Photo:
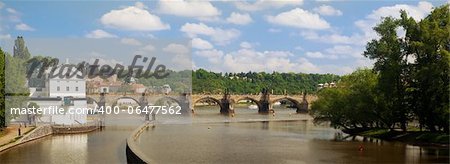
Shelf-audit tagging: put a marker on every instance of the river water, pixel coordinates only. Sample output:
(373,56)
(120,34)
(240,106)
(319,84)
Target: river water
(208,137)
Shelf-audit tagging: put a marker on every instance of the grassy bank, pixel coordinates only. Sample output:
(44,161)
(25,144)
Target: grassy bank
(410,137)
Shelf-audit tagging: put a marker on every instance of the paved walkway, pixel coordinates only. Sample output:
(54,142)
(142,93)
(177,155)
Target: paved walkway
(10,133)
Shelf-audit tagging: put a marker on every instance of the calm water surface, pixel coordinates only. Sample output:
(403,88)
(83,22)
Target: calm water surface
(208,137)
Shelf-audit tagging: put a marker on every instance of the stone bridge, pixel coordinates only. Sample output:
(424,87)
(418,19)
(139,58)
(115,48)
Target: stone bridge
(112,99)
(264,101)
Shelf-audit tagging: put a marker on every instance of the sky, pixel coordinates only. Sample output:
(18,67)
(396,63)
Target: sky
(321,36)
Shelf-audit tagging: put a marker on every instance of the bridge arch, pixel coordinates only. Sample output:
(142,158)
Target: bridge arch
(290,99)
(207,98)
(248,98)
(124,97)
(167,98)
(91,100)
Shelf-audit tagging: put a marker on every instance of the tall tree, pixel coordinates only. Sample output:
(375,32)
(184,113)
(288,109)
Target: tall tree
(429,42)
(20,49)
(390,61)
(2,89)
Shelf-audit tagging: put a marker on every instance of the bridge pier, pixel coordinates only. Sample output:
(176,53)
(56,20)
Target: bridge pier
(226,106)
(264,103)
(303,106)
(264,107)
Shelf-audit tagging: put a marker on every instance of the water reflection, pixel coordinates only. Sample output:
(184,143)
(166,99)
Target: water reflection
(209,137)
(271,142)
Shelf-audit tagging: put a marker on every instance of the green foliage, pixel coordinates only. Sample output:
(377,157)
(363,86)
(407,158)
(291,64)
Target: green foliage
(179,81)
(2,89)
(252,82)
(391,63)
(399,89)
(14,87)
(352,104)
(20,49)
(429,41)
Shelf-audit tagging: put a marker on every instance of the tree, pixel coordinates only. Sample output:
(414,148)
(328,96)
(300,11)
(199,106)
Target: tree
(20,49)
(390,61)
(429,42)
(2,89)
(352,104)
(15,89)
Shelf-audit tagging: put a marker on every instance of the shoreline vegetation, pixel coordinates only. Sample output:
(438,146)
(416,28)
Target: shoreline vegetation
(408,84)
(416,138)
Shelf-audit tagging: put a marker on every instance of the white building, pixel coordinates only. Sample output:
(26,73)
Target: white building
(61,92)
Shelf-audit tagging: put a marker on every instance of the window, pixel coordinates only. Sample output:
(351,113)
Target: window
(58,89)
(67,88)
(76,88)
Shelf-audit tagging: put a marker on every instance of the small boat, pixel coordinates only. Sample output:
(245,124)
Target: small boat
(253,107)
(277,103)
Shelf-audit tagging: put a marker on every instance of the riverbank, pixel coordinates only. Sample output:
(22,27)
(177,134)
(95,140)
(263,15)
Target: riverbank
(419,138)
(9,136)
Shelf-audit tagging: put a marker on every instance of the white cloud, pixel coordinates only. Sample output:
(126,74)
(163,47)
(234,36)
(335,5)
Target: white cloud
(244,60)
(327,10)
(134,18)
(176,49)
(274,30)
(140,5)
(337,52)
(201,44)
(335,38)
(315,55)
(148,48)
(264,4)
(217,35)
(299,48)
(5,36)
(417,12)
(11,11)
(344,51)
(24,27)
(130,41)
(97,34)
(306,66)
(239,19)
(246,45)
(214,56)
(366,33)
(366,25)
(299,18)
(196,9)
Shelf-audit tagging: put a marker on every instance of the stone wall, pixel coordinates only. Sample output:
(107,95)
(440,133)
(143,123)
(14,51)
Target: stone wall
(39,132)
(73,129)
(134,155)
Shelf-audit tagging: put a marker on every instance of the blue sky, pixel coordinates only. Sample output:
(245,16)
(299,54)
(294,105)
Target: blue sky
(288,36)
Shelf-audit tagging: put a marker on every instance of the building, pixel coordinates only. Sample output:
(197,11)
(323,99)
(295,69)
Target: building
(326,85)
(60,92)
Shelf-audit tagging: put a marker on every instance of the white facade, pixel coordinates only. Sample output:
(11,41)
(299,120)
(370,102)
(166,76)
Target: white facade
(67,87)
(63,93)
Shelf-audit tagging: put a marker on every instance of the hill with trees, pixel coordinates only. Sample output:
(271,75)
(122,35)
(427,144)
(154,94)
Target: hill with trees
(252,82)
